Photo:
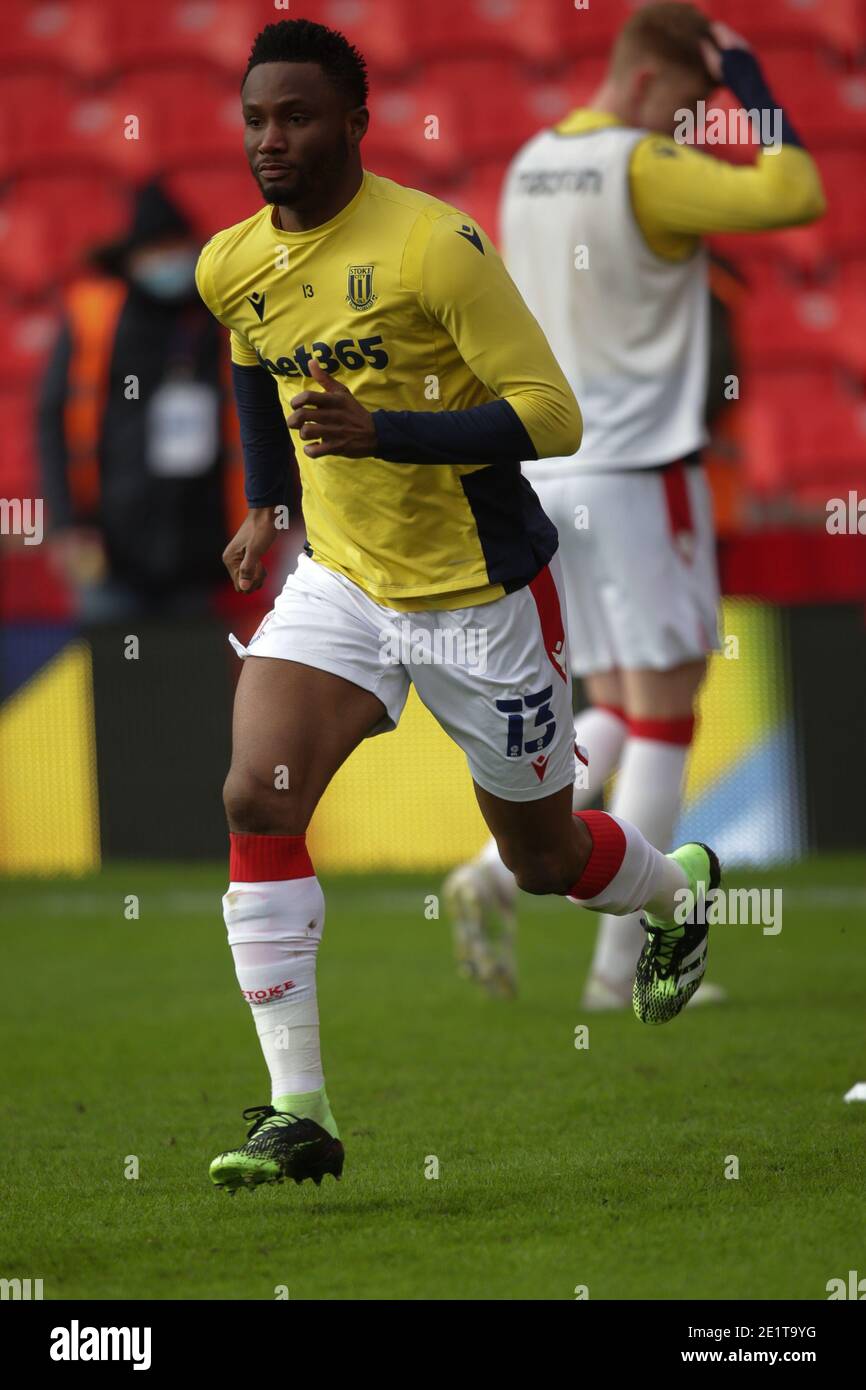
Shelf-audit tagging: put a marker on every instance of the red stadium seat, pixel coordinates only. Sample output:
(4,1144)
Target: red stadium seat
(840,24)
(46,35)
(384,30)
(523,29)
(783,324)
(27,339)
(498,106)
(802,250)
(805,435)
(825,103)
(391,165)
(26,268)
(850,285)
(572,87)
(196,116)
(215,198)
(501,108)
(46,119)
(18,467)
(33,107)
(592,30)
(422,124)
(216,33)
(844,176)
(47,226)
(477,194)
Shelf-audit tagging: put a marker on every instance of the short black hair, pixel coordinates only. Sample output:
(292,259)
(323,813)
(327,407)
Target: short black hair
(304,41)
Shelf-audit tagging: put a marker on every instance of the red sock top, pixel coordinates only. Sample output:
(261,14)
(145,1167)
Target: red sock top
(606,855)
(266,858)
(677,731)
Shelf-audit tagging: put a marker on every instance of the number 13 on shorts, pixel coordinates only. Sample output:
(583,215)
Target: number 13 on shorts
(518,710)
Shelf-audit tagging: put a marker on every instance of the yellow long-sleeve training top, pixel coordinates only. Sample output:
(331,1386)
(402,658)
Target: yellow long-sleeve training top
(409,304)
(680,194)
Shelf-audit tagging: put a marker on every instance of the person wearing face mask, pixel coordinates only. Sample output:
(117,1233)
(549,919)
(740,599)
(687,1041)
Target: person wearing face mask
(140,472)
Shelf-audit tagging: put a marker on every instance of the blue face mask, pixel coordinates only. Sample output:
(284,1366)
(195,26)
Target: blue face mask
(171,275)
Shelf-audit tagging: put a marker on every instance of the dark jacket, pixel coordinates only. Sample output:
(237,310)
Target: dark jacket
(159,532)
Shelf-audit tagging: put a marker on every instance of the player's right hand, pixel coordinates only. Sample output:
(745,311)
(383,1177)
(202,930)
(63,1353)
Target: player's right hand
(242,555)
(723,37)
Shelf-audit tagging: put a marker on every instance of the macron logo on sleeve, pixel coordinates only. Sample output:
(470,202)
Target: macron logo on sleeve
(470,234)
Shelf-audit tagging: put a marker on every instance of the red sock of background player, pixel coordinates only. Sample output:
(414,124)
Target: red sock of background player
(274,911)
(648,793)
(624,871)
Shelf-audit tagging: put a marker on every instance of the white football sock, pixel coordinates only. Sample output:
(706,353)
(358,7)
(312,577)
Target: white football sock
(624,872)
(648,793)
(274,931)
(601,731)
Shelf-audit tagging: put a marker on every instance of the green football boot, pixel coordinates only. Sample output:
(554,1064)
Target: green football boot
(278,1146)
(674,958)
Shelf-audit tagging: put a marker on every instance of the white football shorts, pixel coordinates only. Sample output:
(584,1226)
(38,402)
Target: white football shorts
(495,676)
(638,555)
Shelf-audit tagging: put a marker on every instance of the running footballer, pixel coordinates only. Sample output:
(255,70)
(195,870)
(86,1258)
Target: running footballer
(375,330)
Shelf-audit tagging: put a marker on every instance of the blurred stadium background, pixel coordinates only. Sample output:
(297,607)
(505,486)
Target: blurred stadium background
(105,758)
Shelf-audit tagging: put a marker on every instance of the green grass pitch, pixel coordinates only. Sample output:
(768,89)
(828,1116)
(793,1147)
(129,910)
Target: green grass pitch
(558,1167)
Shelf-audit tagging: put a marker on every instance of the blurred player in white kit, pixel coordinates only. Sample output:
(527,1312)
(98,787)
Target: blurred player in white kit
(602,220)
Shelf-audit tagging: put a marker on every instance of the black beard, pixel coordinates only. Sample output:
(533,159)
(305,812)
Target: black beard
(307,186)
(282,197)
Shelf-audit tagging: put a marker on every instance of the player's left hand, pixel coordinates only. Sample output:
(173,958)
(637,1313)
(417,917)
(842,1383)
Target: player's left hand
(724,37)
(334,418)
